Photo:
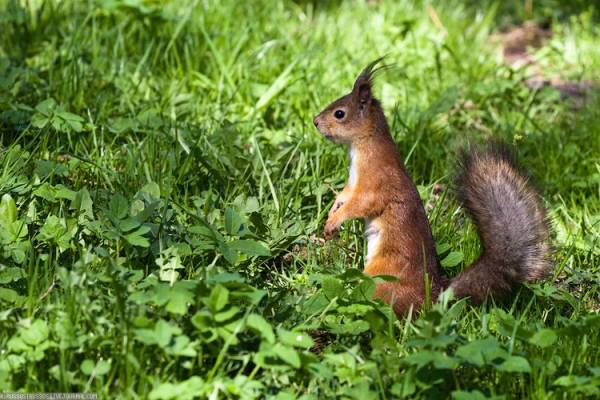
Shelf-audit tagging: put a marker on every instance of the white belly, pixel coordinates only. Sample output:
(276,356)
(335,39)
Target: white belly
(373,234)
(353,174)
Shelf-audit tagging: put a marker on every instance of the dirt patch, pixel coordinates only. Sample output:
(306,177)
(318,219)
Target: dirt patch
(517,41)
(517,45)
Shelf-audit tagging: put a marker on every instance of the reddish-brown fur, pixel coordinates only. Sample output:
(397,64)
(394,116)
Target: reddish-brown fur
(380,190)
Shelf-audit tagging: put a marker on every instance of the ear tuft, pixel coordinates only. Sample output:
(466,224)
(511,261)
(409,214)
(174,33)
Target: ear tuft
(363,86)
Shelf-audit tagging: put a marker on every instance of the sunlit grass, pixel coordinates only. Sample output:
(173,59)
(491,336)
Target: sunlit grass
(161,216)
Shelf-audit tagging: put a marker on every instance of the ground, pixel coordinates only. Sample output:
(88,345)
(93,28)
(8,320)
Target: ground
(164,193)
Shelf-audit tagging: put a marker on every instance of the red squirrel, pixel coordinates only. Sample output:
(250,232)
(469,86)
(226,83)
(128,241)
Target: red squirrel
(508,213)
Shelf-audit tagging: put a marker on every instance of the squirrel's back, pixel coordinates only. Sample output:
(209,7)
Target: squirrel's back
(511,222)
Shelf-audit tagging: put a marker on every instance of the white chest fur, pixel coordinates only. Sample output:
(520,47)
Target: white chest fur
(373,234)
(353,174)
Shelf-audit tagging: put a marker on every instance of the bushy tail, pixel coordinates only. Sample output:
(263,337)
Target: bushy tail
(511,222)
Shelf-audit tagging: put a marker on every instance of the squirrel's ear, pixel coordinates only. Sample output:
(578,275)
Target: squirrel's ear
(362,90)
(363,85)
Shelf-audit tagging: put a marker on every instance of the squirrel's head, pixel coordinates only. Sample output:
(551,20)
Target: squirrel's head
(355,115)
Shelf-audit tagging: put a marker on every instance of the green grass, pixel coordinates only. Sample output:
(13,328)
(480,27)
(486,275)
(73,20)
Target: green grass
(164,191)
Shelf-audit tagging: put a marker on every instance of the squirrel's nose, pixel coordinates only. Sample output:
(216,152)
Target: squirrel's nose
(315,121)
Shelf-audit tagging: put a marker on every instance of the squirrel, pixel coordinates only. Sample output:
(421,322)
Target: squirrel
(508,214)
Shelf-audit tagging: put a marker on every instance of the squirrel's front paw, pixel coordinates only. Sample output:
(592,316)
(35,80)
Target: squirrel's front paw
(331,229)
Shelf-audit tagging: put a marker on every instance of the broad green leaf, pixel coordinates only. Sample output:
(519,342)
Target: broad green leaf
(136,238)
(36,333)
(509,326)
(53,228)
(84,205)
(227,314)
(46,107)
(57,230)
(73,121)
(54,193)
(253,296)
(9,295)
(87,366)
(226,277)
(260,325)
(251,205)
(472,395)
(165,391)
(17,345)
(572,380)
(452,259)
(164,331)
(169,262)
(544,338)
(39,120)
(152,189)
(146,336)
(136,208)
(8,210)
(442,248)
(315,304)
(250,247)
(233,221)
(189,389)
(179,299)
(439,359)
(332,287)
(482,351)
(63,192)
(295,338)
(287,354)
(202,231)
(355,327)
(202,320)
(168,275)
(355,309)
(128,224)
(230,254)
(219,296)
(102,367)
(364,291)
(182,347)
(11,232)
(118,206)
(352,274)
(515,364)
(11,274)
(65,331)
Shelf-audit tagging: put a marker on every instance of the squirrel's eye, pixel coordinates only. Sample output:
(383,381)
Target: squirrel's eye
(339,114)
